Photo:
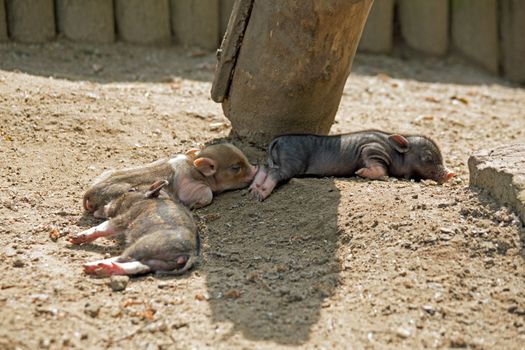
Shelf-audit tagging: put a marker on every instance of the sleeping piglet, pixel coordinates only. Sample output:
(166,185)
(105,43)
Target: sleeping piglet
(370,154)
(193,177)
(161,235)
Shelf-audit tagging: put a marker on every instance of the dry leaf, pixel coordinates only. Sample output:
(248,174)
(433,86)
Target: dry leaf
(54,234)
(232,294)
(200,297)
(211,217)
(456,99)
(130,302)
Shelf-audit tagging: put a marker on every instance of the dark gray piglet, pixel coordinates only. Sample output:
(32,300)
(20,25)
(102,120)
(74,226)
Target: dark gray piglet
(161,235)
(370,154)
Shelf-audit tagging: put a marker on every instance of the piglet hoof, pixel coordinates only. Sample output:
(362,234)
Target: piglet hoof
(260,194)
(80,239)
(104,269)
(372,173)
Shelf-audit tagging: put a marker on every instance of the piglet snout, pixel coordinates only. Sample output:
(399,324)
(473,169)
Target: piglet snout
(446,175)
(88,206)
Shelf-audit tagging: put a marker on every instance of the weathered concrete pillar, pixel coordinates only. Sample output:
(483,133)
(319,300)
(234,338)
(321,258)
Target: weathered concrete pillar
(291,67)
(143,22)
(31,21)
(513,39)
(3,22)
(196,22)
(378,33)
(225,10)
(475,31)
(86,20)
(424,25)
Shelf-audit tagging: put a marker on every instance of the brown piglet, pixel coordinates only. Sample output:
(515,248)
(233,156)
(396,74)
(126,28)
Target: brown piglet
(193,177)
(161,235)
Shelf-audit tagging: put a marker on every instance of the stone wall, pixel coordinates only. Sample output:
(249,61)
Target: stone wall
(487,32)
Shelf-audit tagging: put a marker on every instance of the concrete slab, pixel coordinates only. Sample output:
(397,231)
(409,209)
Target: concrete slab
(86,20)
(3,22)
(475,31)
(424,25)
(377,36)
(225,12)
(143,22)
(512,27)
(196,23)
(31,21)
(501,172)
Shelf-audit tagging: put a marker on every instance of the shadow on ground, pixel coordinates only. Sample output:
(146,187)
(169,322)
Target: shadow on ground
(122,62)
(268,276)
(117,62)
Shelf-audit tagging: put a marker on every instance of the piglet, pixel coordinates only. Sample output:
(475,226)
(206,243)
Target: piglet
(193,177)
(371,154)
(161,235)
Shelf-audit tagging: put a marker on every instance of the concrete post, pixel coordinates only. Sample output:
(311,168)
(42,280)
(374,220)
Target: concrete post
(143,22)
(225,11)
(196,23)
(475,31)
(424,25)
(513,39)
(3,22)
(31,21)
(86,20)
(378,34)
(291,67)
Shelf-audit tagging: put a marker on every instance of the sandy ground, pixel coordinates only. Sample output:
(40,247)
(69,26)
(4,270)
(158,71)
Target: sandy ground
(321,264)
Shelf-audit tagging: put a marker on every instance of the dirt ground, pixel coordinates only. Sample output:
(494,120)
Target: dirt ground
(326,263)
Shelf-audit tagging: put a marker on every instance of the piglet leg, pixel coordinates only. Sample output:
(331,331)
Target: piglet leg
(259,178)
(374,172)
(112,266)
(103,230)
(376,161)
(263,184)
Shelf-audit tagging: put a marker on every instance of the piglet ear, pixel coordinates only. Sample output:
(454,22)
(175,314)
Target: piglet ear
(155,188)
(206,166)
(399,142)
(192,153)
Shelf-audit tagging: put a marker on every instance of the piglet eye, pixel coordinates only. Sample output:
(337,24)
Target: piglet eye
(427,159)
(235,168)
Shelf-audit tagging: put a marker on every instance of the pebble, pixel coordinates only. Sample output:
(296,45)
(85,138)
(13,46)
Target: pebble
(92,310)
(118,283)
(163,285)
(115,312)
(446,230)
(19,262)
(429,309)
(403,332)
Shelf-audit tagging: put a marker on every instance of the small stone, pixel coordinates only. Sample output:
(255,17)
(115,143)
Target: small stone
(44,343)
(402,332)
(92,310)
(19,262)
(118,283)
(429,309)
(446,230)
(163,285)
(115,312)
